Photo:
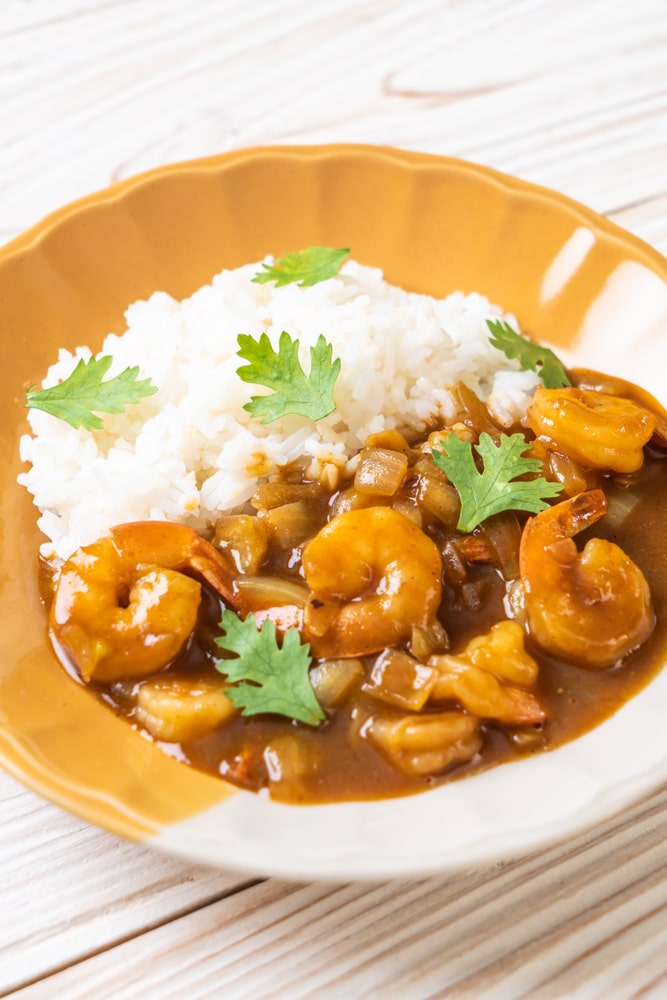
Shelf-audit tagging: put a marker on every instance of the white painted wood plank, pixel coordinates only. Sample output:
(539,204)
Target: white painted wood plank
(17,15)
(95,98)
(69,889)
(591,911)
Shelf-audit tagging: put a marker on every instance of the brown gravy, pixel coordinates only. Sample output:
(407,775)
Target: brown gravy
(335,762)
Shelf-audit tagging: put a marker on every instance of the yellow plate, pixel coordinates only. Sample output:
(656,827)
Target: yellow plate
(433,225)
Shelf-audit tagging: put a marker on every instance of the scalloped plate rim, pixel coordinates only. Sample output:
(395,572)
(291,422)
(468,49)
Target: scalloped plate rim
(602,803)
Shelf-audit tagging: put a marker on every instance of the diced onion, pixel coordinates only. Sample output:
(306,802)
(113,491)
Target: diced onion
(621,505)
(291,523)
(391,439)
(244,538)
(472,411)
(453,565)
(275,494)
(435,494)
(332,680)
(503,533)
(425,640)
(380,471)
(270,591)
(565,470)
(400,680)
(288,760)
(351,499)
(410,509)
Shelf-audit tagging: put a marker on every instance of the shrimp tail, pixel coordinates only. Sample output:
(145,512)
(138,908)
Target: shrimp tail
(582,512)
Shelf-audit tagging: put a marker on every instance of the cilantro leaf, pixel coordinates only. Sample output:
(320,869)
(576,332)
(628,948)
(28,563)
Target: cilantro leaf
(269,677)
(294,392)
(77,397)
(496,487)
(530,355)
(306,267)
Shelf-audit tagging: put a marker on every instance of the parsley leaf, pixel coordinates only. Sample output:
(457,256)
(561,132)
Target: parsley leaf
(269,677)
(77,397)
(306,267)
(295,392)
(530,355)
(496,487)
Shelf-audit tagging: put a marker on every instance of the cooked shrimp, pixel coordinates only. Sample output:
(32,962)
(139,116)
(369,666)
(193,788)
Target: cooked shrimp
(372,575)
(584,378)
(596,429)
(124,607)
(180,709)
(592,606)
(484,676)
(420,745)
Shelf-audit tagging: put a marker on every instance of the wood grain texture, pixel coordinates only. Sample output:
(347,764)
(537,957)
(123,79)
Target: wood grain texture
(571,94)
(69,889)
(538,927)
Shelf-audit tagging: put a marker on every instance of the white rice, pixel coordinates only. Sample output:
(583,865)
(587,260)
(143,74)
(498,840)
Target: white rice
(191,451)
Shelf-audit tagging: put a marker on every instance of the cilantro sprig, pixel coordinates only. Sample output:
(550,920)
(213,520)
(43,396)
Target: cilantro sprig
(497,486)
(306,267)
(532,356)
(294,392)
(268,677)
(83,394)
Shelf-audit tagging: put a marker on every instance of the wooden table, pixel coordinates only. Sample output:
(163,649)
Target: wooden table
(571,94)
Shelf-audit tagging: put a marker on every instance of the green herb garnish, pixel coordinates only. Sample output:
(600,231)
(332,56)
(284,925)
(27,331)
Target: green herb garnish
(306,267)
(294,392)
(497,487)
(83,393)
(268,677)
(530,355)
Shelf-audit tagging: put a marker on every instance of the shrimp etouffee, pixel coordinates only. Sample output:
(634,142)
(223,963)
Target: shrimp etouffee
(429,651)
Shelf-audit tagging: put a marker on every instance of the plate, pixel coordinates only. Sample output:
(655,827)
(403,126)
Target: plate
(434,225)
